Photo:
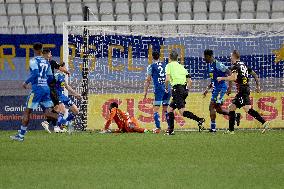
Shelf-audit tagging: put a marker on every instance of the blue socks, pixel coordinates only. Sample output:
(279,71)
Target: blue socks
(70,116)
(156,117)
(213,125)
(60,119)
(23,131)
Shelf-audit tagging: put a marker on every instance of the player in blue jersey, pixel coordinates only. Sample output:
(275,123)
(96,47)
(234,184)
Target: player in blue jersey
(40,76)
(156,72)
(217,69)
(60,85)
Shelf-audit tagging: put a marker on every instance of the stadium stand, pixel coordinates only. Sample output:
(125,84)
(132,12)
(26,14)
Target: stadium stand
(28,16)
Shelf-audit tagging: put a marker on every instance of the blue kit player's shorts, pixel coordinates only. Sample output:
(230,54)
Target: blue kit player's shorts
(40,96)
(65,100)
(218,93)
(162,98)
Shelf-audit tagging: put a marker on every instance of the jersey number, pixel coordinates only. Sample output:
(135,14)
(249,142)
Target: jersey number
(43,67)
(244,70)
(160,68)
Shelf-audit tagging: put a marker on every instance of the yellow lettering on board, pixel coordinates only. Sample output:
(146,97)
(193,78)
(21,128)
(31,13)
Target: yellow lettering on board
(28,49)
(8,57)
(182,51)
(130,61)
(110,51)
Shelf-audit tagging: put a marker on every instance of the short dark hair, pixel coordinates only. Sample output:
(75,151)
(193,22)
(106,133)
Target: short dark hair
(208,52)
(156,55)
(37,46)
(113,105)
(46,51)
(174,56)
(236,53)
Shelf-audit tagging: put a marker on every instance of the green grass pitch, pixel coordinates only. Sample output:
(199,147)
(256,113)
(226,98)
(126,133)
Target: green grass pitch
(186,160)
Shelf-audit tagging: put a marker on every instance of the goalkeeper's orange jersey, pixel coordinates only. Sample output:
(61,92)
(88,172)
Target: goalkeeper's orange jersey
(123,121)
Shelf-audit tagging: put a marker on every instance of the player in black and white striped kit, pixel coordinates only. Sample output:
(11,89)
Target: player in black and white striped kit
(240,74)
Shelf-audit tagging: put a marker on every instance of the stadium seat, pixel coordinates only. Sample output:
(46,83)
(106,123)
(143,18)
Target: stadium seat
(153,17)
(134,1)
(76,18)
(16,21)
(169,16)
(122,8)
(106,8)
(44,9)
(76,8)
(59,9)
(278,5)
(3,9)
(27,1)
(123,17)
(231,6)
(47,29)
(74,1)
(31,21)
(275,15)
(119,1)
(153,7)
(247,15)
(184,16)
(263,5)
(137,7)
(262,15)
(200,16)
(32,30)
(45,20)
(247,6)
(138,17)
(29,9)
(184,7)
(58,1)
(59,22)
(4,21)
(107,17)
(231,15)
(92,6)
(18,30)
(199,6)
(14,9)
(215,16)
(42,1)
(168,7)
(13,1)
(215,6)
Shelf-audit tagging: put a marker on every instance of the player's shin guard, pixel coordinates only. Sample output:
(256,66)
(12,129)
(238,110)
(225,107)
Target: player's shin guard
(256,115)
(70,117)
(171,122)
(232,119)
(156,117)
(191,115)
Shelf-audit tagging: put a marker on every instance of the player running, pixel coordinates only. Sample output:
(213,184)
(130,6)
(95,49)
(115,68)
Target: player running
(53,93)
(40,76)
(240,75)
(125,123)
(156,72)
(217,69)
(180,81)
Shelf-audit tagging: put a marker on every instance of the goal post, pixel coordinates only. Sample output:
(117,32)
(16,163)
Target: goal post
(120,51)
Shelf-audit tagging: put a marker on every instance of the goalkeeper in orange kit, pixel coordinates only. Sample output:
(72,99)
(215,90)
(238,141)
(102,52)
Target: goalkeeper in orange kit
(125,123)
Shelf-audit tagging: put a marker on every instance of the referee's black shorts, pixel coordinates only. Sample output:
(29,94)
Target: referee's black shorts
(179,94)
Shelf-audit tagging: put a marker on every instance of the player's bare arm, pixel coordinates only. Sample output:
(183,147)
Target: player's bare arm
(232,77)
(256,79)
(167,82)
(77,95)
(147,84)
(207,89)
(63,69)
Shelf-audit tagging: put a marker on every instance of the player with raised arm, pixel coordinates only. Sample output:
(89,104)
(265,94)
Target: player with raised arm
(125,123)
(156,72)
(40,76)
(64,100)
(217,69)
(180,81)
(53,93)
(240,74)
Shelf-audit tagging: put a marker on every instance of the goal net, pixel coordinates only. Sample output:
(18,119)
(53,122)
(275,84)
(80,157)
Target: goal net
(108,62)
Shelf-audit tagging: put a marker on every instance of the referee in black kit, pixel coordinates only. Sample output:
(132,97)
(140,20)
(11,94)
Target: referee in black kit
(180,81)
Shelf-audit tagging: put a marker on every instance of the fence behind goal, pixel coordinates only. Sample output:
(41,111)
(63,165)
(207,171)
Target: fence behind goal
(118,53)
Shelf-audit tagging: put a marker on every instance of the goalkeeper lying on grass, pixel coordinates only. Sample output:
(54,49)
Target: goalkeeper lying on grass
(125,123)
